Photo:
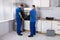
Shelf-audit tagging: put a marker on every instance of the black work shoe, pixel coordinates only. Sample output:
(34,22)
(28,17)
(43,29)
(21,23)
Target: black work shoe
(34,34)
(20,34)
(30,36)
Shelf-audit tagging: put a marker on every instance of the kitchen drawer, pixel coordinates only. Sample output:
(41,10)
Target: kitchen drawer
(57,30)
(56,22)
(56,26)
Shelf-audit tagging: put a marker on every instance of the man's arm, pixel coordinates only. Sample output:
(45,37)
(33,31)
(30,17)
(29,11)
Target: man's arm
(21,16)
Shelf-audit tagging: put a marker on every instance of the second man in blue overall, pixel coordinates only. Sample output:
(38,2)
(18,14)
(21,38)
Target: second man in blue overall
(32,21)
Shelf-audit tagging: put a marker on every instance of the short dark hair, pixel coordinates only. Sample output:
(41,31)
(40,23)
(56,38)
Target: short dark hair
(22,5)
(33,5)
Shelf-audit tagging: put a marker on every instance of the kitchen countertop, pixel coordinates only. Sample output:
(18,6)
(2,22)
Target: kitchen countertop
(47,20)
(6,20)
(50,20)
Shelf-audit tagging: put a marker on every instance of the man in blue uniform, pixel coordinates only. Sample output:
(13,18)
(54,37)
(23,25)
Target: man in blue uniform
(19,17)
(32,22)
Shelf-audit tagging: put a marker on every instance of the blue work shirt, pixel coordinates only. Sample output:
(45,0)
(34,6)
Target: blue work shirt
(33,15)
(18,10)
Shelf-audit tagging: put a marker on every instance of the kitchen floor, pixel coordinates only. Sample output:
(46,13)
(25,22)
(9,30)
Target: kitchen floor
(13,36)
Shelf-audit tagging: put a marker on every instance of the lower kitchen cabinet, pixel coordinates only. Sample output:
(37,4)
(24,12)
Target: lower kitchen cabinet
(27,24)
(39,26)
(43,25)
(6,26)
(46,24)
(56,26)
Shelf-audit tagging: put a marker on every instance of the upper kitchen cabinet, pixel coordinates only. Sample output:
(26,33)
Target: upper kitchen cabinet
(41,3)
(54,3)
(46,3)
(36,3)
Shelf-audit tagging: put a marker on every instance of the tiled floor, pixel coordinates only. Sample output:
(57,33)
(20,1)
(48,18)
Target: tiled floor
(14,36)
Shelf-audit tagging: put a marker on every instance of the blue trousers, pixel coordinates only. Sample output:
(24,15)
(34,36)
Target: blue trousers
(32,28)
(19,22)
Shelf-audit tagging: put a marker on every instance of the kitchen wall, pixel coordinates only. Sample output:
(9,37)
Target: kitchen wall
(50,12)
(6,12)
(1,11)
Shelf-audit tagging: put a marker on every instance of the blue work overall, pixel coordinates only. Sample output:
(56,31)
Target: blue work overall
(18,20)
(32,22)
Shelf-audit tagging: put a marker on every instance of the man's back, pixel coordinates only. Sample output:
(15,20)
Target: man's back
(17,12)
(33,15)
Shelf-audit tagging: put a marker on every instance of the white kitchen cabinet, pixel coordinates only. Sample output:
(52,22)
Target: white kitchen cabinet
(41,3)
(56,26)
(36,3)
(54,3)
(50,3)
(39,25)
(4,28)
(44,3)
(46,25)
(27,24)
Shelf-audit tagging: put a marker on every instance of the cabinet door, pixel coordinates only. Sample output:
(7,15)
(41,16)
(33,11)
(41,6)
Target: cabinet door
(44,3)
(36,3)
(45,26)
(4,28)
(56,26)
(27,25)
(41,3)
(38,26)
(54,3)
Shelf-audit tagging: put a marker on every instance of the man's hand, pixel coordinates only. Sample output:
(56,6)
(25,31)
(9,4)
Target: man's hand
(28,14)
(21,16)
(23,19)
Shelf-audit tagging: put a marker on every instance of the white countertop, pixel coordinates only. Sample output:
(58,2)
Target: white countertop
(6,20)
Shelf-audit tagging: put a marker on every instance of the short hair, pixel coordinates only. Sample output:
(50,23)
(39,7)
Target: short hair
(22,5)
(33,5)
